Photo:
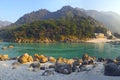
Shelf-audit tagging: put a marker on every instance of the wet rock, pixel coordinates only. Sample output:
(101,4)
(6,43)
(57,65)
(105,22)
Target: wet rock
(10,46)
(63,68)
(4,48)
(48,73)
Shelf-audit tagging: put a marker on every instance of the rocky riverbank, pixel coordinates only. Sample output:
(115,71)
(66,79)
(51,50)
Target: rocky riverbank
(42,67)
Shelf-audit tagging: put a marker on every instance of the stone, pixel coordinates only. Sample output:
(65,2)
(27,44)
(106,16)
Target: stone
(52,59)
(109,60)
(112,69)
(70,61)
(35,66)
(10,46)
(30,59)
(15,65)
(4,48)
(100,59)
(4,57)
(44,60)
(40,58)
(48,73)
(63,68)
(118,59)
(85,57)
(25,58)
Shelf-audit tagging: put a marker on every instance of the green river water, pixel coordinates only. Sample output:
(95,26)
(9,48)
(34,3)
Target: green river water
(67,50)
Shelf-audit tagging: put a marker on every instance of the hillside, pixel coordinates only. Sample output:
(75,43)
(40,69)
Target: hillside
(110,19)
(44,14)
(68,29)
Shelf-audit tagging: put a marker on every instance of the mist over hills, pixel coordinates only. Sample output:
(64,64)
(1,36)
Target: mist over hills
(4,23)
(110,19)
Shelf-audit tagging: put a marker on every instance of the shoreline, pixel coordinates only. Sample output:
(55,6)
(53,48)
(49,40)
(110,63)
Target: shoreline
(13,70)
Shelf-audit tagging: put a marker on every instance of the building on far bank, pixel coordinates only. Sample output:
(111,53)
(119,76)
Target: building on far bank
(99,35)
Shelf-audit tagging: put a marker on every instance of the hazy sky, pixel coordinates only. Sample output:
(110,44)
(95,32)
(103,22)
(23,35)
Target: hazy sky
(12,10)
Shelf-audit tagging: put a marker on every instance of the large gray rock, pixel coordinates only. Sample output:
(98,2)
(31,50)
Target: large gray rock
(63,68)
(112,69)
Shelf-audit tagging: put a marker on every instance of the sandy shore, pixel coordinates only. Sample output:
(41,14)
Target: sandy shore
(22,72)
(99,40)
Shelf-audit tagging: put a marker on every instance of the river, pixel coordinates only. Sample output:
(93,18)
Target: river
(67,50)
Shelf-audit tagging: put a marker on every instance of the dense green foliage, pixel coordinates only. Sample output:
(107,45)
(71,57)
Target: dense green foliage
(75,27)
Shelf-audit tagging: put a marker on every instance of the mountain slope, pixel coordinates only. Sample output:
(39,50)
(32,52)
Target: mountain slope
(66,24)
(33,16)
(45,14)
(110,19)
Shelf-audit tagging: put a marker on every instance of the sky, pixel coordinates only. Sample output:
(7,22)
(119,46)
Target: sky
(12,10)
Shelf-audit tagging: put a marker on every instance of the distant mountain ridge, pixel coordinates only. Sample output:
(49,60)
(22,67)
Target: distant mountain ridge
(4,23)
(44,14)
(110,19)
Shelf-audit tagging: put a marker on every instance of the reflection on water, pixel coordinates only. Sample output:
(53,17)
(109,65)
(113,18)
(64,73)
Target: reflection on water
(68,50)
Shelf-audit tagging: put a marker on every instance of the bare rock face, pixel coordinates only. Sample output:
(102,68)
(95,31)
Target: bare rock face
(25,58)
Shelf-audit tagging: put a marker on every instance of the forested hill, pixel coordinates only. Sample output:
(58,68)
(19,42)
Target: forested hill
(69,28)
(110,19)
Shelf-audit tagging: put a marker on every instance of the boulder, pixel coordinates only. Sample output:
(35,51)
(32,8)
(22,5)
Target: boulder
(48,73)
(4,48)
(35,66)
(10,46)
(118,59)
(40,58)
(63,68)
(112,69)
(4,57)
(100,59)
(85,57)
(52,59)
(44,60)
(60,60)
(70,61)
(25,58)
(15,65)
